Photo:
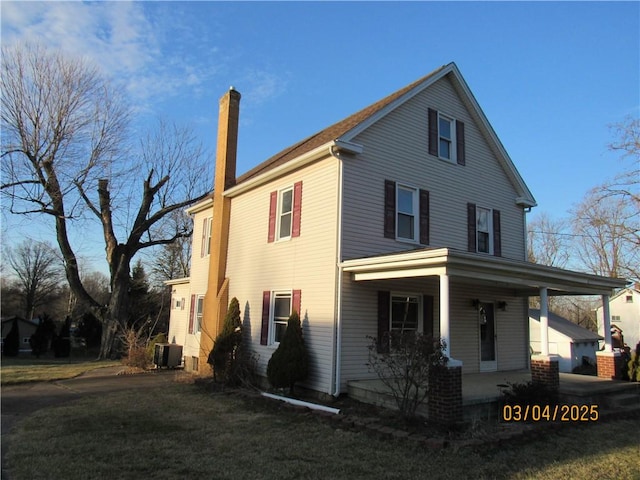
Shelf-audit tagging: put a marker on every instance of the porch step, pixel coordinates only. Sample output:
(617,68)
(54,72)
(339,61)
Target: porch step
(624,401)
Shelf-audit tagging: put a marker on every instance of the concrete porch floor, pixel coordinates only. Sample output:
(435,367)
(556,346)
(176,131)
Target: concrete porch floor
(481,389)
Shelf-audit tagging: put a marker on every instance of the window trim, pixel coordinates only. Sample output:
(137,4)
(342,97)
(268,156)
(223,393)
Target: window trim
(279,214)
(198,314)
(453,153)
(272,311)
(205,245)
(418,297)
(415,200)
(489,231)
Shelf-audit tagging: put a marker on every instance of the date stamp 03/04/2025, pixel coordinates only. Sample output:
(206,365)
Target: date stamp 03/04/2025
(550,413)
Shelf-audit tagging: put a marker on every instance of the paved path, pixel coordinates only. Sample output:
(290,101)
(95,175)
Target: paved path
(20,401)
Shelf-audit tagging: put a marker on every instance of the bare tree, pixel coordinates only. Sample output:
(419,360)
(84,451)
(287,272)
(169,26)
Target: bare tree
(173,260)
(602,227)
(548,241)
(63,134)
(38,271)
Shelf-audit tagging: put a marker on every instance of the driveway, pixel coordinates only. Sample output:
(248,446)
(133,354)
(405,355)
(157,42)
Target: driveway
(20,401)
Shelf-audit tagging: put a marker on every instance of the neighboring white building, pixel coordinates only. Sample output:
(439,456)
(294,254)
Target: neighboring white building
(569,341)
(625,314)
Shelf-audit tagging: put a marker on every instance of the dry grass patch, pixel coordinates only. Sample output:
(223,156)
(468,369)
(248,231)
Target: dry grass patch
(16,371)
(181,431)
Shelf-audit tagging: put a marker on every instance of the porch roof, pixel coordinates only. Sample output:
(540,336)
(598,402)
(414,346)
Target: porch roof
(524,277)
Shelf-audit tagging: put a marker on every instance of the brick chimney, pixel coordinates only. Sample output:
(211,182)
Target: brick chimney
(217,297)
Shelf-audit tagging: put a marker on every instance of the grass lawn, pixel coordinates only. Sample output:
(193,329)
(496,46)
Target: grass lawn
(182,431)
(25,369)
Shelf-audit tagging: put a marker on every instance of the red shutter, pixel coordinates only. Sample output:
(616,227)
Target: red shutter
(389,209)
(297,294)
(273,205)
(297,209)
(192,312)
(266,307)
(427,315)
(384,310)
(460,150)
(471,227)
(424,217)
(497,240)
(433,132)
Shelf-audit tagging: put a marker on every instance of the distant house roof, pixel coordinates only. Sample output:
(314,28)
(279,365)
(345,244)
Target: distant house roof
(566,327)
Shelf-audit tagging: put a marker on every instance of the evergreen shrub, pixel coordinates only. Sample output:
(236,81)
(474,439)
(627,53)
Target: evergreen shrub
(289,363)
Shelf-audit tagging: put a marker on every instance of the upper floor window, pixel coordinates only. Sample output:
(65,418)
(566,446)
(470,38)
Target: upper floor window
(484,230)
(406,213)
(446,145)
(285,213)
(285,210)
(446,137)
(483,226)
(629,299)
(205,246)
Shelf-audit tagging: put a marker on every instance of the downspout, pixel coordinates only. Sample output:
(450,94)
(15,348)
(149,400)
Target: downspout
(337,337)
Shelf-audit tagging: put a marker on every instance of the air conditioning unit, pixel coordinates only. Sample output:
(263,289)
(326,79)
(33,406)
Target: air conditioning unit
(167,355)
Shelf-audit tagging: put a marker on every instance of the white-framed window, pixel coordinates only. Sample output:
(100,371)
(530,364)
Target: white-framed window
(405,315)
(484,229)
(197,325)
(407,213)
(205,247)
(281,305)
(285,213)
(615,318)
(629,298)
(446,137)
(182,303)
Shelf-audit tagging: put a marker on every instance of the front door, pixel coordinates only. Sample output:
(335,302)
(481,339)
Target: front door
(487,322)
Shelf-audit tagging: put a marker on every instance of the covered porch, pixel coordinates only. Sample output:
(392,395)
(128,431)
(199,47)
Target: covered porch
(522,279)
(481,392)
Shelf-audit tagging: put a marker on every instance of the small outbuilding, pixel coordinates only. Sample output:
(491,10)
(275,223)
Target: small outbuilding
(573,344)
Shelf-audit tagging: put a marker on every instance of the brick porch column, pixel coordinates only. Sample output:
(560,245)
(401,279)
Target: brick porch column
(545,370)
(608,364)
(445,393)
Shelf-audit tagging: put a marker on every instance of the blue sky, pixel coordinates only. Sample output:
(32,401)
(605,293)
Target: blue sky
(550,76)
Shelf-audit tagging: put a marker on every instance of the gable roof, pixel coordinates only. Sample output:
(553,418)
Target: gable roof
(348,128)
(566,327)
(330,133)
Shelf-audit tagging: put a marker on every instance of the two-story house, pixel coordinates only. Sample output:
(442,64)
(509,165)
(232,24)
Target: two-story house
(408,212)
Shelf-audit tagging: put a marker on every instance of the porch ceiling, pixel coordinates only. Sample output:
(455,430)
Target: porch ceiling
(524,277)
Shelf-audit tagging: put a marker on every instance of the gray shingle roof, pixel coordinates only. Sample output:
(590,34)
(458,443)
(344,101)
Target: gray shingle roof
(566,327)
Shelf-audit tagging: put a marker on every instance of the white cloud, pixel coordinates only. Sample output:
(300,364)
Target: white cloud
(157,51)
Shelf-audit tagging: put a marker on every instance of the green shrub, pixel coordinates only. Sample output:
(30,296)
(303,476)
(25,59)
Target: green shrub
(226,356)
(289,363)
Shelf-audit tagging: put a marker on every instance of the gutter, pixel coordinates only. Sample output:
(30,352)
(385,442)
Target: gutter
(306,158)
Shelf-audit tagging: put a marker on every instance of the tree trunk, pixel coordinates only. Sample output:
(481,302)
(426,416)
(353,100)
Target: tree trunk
(117,315)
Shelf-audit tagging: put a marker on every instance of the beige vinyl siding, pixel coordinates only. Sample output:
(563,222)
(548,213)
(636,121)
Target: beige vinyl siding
(360,321)
(306,263)
(395,148)
(179,318)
